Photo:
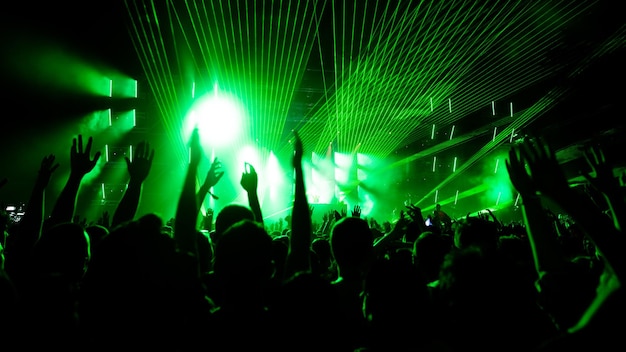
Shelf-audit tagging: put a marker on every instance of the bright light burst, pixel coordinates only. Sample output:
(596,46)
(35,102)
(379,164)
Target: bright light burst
(218,118)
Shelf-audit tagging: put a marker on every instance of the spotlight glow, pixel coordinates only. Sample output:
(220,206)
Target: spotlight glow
(218,118)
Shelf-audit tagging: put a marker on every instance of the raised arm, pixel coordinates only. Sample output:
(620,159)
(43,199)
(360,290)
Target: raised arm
(397,232)
(32,221)
(550,180)
(328,218)
(602,179)
(138,170)
(188,208)
(494,218)
(298,256)
(415,214)
(213,176)
(81,163)
(547,252)
(30,229)
(250,182)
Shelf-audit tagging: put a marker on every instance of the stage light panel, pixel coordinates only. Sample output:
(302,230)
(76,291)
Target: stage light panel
(113,191)
(123,88)
(123,121)
(116,154)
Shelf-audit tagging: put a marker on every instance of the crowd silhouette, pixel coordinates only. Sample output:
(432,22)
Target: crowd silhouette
(229,282)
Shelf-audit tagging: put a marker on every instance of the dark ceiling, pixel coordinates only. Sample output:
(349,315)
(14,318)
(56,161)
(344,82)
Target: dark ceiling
(566,77)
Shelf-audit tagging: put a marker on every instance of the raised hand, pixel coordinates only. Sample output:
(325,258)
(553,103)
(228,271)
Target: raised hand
(47,167)
(415,214)
(396,233)
(249,182)
(139,167)
(412,210)
(402,222)
(547,174)
(215,173)
(249,178)
(356,211)
(213,176)
(607,183)
(604,180)
(518,174)
(81,162)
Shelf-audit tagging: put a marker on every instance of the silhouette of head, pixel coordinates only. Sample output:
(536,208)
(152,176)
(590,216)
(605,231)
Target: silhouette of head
(64,249)
(473,231)
(429,251)
(321,247)
(243,256)
(229,215)
(352,244)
